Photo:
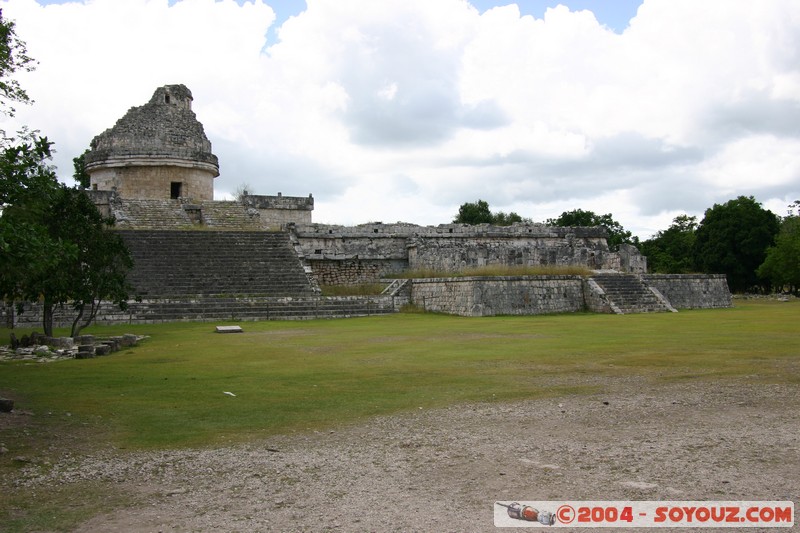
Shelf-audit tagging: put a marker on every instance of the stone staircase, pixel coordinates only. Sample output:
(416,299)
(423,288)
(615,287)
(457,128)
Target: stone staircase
(627,293)
(247,308)
(203,275)
(170,264)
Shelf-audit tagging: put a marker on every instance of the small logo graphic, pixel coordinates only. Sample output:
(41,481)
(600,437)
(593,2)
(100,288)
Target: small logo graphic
(529,514)
(565,514)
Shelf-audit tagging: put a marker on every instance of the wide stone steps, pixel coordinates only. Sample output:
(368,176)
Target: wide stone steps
(169,264)
(250,309)
(628,294)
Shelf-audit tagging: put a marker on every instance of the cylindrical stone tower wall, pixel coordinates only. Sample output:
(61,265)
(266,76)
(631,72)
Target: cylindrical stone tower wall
(156,151)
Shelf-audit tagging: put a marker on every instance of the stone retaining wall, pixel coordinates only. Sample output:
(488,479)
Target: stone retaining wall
(534,295)
(503,295)
(692,291)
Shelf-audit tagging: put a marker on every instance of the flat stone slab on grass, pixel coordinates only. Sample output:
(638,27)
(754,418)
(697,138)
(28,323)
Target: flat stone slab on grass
(229,329)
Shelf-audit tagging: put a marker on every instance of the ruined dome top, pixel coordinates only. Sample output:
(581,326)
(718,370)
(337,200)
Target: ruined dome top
(164,129)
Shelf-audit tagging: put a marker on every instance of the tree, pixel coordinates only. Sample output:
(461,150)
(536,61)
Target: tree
(97,268)
(28,185)
(57,247)
(733,238)
(782,263)
(80,175)
(479,213)
(502,219)
(578,217)
(670,251)
(474,213)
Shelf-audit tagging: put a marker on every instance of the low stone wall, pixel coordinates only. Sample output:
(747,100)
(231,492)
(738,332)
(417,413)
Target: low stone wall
(279,211)
(692,291)
(503,295)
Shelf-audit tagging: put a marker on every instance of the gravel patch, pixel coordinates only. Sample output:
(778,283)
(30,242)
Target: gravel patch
(442,470)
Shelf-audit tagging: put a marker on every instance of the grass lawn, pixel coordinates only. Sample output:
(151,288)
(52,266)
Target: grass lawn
(294,376)
(297,376)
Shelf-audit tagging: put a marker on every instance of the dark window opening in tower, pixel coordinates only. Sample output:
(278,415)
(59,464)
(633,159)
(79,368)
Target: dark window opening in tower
(175,190)
(166,98)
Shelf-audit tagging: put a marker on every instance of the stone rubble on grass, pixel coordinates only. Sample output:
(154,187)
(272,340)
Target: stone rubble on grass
(44,349)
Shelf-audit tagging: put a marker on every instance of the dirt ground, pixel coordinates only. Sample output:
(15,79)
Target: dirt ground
(443,470)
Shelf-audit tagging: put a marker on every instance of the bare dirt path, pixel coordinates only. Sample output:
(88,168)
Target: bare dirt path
(442,470)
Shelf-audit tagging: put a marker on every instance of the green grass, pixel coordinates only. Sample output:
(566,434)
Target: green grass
(300,376)
(294,376)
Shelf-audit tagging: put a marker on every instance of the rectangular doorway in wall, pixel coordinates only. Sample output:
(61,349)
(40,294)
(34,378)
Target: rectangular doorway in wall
(175,190)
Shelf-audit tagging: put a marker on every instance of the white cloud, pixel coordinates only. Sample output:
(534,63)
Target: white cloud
(404,109)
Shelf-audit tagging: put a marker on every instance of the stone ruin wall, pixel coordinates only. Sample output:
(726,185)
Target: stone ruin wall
(343,255)
(502,295)
(692,291)
(153,182)
(355,271)
(537,295)
(280,211)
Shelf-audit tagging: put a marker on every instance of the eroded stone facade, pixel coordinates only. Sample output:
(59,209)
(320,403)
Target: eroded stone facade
(156,151)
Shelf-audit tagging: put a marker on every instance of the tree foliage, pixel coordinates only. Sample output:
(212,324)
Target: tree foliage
(13,58)
(97,268)
(79,174)
(56,246)
(671,251)
(479,213)
(782,263)
(733,238)
(578,217)
(28,185)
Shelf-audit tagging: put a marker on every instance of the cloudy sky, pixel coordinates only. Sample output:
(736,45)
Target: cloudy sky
(402,110)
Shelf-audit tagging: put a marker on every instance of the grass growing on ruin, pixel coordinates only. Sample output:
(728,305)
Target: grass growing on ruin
(498,270)
(297,376)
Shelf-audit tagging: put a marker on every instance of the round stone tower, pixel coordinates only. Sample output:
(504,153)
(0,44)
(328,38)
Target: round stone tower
(156,151)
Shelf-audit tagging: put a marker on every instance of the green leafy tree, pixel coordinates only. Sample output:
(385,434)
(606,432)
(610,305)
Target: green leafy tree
(782,263)
(505,219)
(80,175)
(578,217)
(97,267)
(474,213)
(670,251)
(479,213)
(733,238)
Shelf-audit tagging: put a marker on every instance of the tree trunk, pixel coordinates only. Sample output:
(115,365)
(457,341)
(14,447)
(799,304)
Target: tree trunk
(76,328)
(47,318)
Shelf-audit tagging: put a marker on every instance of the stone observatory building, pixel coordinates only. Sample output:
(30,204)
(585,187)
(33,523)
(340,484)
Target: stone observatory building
(156,151)
(261,257)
